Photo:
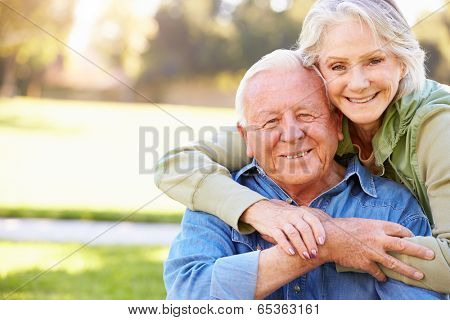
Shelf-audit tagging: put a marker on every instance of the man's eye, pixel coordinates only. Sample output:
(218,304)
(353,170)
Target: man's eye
(305,117)
(338,67)
(270,124)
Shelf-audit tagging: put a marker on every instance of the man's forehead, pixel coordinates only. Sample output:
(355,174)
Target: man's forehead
(306,81)
(295,88)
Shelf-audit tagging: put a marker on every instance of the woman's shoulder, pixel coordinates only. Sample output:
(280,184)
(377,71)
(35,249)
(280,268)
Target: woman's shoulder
(433,95)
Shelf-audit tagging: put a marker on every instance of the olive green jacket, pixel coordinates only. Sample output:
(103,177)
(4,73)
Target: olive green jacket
(411,147)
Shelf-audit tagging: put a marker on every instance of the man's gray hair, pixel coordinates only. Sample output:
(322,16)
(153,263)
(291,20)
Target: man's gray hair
(384,20)
(278,60)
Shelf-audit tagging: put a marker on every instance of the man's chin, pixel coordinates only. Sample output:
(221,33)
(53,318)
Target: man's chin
(297,177)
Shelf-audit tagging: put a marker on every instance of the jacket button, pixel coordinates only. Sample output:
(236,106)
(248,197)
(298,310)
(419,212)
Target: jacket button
(297,289)
(289,200)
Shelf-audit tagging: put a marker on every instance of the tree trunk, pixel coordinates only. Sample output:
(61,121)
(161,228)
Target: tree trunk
(34,87)
(9,77)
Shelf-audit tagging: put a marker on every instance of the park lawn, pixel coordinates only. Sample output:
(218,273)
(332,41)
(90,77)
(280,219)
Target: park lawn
(93,272)
(82,159)
(159,216)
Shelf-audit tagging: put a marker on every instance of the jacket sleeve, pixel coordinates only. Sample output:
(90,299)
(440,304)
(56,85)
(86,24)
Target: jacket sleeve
(433,153)
(198,176)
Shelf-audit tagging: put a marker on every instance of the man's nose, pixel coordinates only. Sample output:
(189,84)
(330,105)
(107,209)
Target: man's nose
(292,131)
(358,79)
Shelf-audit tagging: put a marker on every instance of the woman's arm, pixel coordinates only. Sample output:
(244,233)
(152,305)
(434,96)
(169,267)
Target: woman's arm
(199,177)
(433,153)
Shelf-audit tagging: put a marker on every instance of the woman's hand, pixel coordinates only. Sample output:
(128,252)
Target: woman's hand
(293,228)
(364,244)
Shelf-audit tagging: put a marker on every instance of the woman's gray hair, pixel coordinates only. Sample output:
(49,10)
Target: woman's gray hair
(384,20)
(279,60)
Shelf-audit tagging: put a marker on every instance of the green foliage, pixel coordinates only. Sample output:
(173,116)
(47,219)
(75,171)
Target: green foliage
(26,48)
(436,44)
(100,272)
(198,38)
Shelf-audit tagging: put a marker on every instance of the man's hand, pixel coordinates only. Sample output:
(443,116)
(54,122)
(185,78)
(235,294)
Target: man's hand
(362,243)
(288,226)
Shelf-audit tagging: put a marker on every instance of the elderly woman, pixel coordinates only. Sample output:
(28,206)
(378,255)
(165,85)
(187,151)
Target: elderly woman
(395,120)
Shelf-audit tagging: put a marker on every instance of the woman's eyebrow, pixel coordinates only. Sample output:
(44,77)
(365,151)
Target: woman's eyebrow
(364,56)
(335,58)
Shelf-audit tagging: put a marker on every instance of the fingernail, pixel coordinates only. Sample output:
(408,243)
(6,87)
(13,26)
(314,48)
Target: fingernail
(291,251)
(306,255)
(418,275)
(321,240)
(313,253)
(429,254)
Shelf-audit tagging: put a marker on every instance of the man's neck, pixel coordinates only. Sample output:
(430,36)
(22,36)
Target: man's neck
(304,194)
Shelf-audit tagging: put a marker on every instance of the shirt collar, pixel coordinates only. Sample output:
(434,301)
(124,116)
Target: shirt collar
(365,178)
(354,168)
(248,168)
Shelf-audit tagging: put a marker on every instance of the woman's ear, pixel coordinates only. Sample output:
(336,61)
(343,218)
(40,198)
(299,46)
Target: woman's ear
(243,132)
(404,71)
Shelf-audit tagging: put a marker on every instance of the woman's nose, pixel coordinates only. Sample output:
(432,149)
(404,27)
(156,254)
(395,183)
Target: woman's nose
(358,80)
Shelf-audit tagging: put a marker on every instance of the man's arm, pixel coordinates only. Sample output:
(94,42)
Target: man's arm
(276,268)
(202,262)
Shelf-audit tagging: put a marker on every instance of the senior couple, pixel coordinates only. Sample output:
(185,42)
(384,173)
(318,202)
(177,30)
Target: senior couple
(329,206)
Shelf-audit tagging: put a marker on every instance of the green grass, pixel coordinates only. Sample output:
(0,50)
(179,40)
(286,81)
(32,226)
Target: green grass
(88,214)
(100,272)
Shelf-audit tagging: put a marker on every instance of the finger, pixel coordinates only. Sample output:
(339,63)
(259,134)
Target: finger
(294,237)
(308,238)
(398,266)
(317,228)
(374,270)
(394,229)
(282,241)
(409,248)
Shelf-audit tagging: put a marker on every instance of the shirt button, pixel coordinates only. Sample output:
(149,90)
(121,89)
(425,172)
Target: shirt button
(297,289)
(289,200)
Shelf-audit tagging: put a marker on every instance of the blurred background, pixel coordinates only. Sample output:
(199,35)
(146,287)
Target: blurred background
(79,78)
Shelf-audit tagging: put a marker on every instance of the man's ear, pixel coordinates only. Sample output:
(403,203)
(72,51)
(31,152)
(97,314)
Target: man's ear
(243,132)
(338,118)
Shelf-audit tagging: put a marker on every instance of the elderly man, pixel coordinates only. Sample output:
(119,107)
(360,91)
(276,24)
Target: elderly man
(292,135)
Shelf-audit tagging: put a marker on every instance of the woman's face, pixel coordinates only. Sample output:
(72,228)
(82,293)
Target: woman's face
(362,77)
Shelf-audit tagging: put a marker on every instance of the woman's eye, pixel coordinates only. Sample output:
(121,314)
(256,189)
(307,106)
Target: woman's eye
(338,67)
(375,61)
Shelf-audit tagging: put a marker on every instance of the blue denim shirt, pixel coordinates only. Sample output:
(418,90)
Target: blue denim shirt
(211,260)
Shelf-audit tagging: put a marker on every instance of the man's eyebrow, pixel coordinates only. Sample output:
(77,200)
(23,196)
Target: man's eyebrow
(264,113)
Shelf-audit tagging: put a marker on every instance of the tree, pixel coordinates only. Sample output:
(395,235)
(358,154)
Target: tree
(25,48)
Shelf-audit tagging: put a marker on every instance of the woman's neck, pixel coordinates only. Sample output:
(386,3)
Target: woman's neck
(362,135)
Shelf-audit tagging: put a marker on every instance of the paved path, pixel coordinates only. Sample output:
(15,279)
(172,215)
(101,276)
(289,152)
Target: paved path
(124,233)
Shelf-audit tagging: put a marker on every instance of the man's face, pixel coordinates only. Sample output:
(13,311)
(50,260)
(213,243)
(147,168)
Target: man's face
(291,132)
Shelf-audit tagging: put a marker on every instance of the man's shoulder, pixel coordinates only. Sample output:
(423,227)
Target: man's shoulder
(203,219)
